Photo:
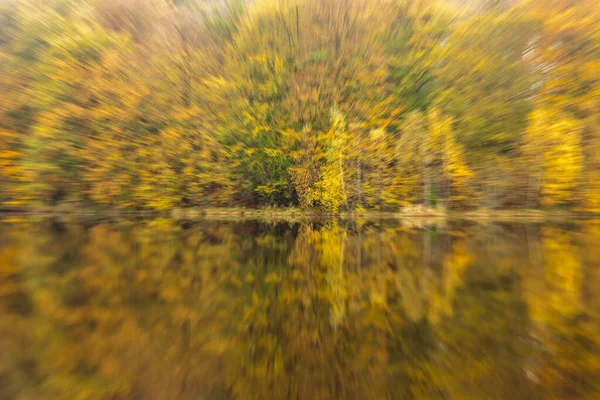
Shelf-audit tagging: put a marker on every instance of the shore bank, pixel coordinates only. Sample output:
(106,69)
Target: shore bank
(300,214)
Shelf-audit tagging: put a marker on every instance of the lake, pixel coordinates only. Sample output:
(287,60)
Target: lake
(332,309)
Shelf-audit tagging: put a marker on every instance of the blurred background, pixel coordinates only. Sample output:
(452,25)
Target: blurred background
(206,129)
(335,105)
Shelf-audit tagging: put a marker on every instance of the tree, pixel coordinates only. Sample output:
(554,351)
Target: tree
(554,158)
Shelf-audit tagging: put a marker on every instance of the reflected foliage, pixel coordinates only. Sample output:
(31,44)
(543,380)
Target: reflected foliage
(361,309)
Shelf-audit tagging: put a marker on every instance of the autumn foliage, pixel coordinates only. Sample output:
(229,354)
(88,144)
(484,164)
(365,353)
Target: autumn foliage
(338,104)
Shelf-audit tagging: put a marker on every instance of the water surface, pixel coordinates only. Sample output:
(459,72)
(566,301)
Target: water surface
(158,309)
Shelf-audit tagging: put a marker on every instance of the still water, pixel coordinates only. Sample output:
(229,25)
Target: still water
(158,309)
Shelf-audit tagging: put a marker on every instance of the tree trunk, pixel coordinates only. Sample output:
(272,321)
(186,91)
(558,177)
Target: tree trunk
(359,183)
(343,183)
(379,186)
(534,183)
(426,177)
(359,248)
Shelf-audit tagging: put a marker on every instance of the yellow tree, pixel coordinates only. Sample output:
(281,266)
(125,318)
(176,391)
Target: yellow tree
(565,56)
(554,158)
(381,155)
(414,181)
(331,188)
(305,172)
(490,102)
(445,155)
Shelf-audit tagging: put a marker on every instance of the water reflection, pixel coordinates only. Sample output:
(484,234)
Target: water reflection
(340,309)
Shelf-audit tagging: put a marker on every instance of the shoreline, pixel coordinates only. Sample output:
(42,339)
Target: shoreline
(299,214)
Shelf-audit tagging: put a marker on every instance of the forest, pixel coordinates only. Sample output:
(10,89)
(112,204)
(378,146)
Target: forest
(336,105)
